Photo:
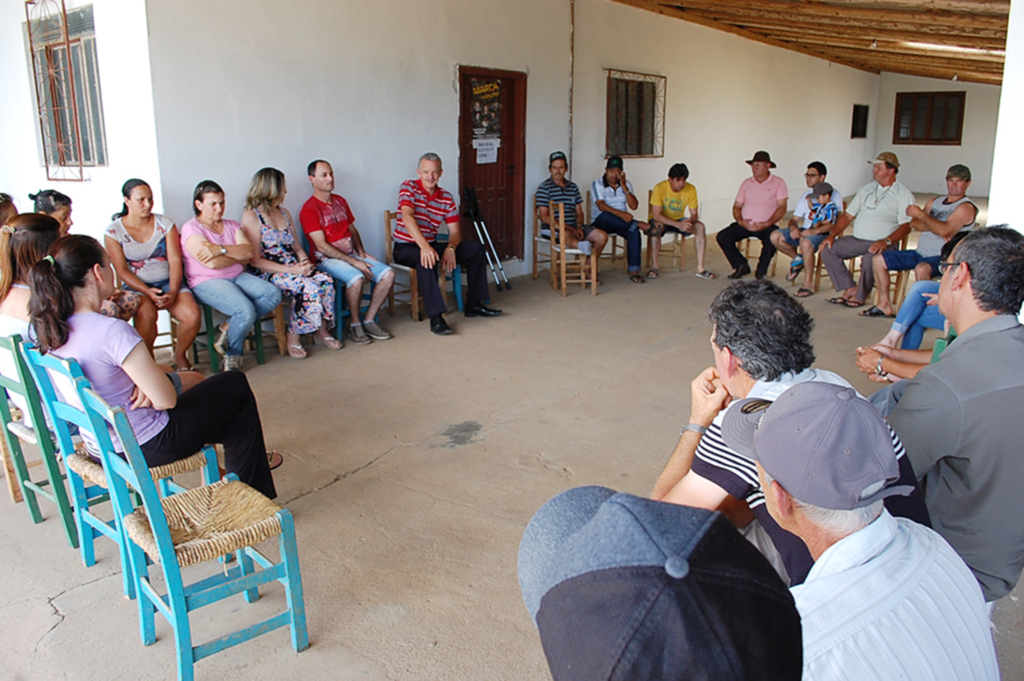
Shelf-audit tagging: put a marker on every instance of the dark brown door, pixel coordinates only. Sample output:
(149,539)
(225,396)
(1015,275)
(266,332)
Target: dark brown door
(492,149)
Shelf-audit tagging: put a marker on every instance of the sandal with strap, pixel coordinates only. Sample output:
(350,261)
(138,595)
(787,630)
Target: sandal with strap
(636,278)
(297,352)
(653,274)
(275,459)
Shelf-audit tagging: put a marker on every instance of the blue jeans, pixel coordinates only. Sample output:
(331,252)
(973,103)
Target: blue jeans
(916,315)
(244,299)
(613,224)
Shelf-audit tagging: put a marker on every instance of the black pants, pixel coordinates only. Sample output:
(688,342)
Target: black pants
(734,233)
(469,254)
(220,410)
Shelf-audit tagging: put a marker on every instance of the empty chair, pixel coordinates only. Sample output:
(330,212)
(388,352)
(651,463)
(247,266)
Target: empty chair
(195,526)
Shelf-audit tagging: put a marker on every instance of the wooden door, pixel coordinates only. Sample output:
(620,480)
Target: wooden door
(492,152)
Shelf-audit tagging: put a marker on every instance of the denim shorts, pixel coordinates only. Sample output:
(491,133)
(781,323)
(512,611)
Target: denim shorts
(900,261)
(815,239)
(342,271)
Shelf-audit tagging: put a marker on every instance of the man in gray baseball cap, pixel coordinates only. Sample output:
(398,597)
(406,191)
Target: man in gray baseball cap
(886,598)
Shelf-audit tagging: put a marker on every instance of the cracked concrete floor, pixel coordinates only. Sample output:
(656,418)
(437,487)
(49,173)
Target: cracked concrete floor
(412,467)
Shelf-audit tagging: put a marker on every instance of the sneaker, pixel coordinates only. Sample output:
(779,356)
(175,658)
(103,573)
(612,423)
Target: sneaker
(357,335)
(375,332)
(232,363)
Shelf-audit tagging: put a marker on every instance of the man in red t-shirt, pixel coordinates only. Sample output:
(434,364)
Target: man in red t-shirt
(334,243)
(422,207)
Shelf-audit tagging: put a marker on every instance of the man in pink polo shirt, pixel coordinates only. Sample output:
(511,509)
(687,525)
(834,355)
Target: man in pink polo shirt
(422,207)
(760,204)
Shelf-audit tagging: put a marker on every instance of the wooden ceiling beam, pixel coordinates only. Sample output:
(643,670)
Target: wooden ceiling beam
(818,10)
(890,60)
(890,40)
(990,7)
(923,35)
(652,6)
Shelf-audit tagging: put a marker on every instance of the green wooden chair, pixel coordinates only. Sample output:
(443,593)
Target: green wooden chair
(52,488)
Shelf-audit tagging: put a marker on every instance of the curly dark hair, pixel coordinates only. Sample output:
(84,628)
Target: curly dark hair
(767,330)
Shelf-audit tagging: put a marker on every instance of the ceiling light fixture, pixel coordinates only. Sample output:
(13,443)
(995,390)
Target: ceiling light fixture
(874,44)
(956,76)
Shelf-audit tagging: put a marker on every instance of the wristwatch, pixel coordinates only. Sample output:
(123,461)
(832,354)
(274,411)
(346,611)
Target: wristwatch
(223,251)
(695,427)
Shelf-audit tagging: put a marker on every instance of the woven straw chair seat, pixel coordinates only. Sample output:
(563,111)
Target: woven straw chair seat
(92,470)
(209,522)
(87,467)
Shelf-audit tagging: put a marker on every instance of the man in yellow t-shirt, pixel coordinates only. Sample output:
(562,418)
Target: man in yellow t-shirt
(669,202)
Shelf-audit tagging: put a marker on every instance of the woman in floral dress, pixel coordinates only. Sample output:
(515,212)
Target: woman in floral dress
(282,261)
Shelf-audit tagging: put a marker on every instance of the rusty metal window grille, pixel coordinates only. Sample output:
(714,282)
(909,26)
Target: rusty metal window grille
(67,86)
(636,114)
(929,118)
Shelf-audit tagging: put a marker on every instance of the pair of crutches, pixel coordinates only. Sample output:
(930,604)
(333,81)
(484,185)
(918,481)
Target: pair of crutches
(473,212)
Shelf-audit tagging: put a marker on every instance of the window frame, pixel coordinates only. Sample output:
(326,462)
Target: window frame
(655,117)
(930,111)
(69,101)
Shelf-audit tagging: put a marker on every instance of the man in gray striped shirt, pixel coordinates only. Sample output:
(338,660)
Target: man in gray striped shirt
(558,190)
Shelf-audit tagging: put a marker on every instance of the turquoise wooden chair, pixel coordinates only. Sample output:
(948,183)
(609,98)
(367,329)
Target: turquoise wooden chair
(210,336)
(198,525)
(52,488)
(85,474)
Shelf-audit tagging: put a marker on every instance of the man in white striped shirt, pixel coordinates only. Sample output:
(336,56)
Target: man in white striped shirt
(887,598)
(762,347)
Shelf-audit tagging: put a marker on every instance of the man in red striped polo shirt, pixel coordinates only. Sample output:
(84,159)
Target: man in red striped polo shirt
(422,207)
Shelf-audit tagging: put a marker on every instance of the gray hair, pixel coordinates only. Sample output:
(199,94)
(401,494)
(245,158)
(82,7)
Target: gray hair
(429,156)
(835,521)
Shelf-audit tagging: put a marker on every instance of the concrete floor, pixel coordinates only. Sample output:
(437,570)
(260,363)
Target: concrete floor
(412,467)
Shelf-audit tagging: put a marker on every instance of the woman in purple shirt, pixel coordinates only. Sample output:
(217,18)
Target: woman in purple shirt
(172,419)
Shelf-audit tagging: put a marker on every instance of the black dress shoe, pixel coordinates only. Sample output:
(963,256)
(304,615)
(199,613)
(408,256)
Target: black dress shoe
(480,310)
(740,272)
(439,326)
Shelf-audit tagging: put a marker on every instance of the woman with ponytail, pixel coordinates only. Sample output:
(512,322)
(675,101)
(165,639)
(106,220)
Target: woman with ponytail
(173,414)
(24,240)
(146,252)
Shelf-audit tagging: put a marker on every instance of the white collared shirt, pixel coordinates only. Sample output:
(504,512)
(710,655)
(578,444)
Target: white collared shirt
(894,601)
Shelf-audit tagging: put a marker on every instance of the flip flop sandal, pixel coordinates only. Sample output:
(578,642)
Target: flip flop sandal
(275,459)
(803,293)
(296,352)
(704,274)
(653,274)
(636,278)
(875,311)
(655,230)
(838,300)
(794,272)
(854,303)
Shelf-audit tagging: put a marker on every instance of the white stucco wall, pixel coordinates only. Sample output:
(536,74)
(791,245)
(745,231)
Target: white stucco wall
(123,54)
(726,98)
(1009,147)
(260,83)
(923,166)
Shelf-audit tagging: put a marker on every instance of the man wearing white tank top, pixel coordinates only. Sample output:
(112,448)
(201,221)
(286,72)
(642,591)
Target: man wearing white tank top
(941,218)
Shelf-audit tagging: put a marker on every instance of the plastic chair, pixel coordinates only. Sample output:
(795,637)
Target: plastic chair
(15,432)
(198,525)
(87,478)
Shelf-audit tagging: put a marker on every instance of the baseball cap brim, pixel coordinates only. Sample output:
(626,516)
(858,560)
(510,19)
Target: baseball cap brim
(739,425)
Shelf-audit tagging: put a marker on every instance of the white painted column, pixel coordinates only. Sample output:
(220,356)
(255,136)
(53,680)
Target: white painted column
(1004,196)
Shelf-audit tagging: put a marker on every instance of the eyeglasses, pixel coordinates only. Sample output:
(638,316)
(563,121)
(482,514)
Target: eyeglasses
(945,265)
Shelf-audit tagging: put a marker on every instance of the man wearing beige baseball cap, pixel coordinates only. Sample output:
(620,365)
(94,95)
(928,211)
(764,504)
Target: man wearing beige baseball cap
(880,209)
